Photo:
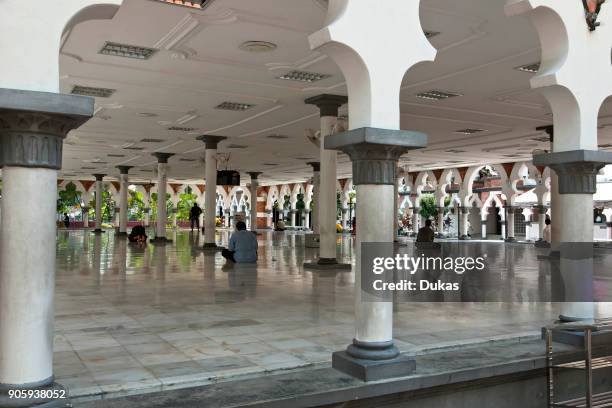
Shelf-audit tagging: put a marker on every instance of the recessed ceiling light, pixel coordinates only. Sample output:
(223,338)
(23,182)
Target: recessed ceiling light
(437,95)
(196,4)
(115,155)
(257,46)
(88,168)
(181,129)
(304,158)
(454,151)
(470,131)
(151,140)
(278,137)
(234,106)
(236,146)
(148,114)
(270,164)
(92,91)
(127,51)
(531,68)
(303,76)
(185,159)
(133,148)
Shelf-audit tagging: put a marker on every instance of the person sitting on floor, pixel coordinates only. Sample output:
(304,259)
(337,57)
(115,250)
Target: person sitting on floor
(138,236)
(242,246)
(426,233)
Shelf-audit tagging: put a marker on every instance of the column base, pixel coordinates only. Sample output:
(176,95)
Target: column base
(510,239)
(98,231)
(54,390)
(374,362)
(540,243)
(160,241)
(212,247)
(327,264)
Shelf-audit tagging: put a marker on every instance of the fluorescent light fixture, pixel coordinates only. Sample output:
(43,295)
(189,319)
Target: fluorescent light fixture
(303,76)
(133,148)
(127,51)
(532,68)
(234,106)
(437,95)
(277,137)
(470,131)
(148,140)
(195,4)
(92,91)
(181,129)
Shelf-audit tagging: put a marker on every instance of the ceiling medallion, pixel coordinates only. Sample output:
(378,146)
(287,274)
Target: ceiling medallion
(592,9)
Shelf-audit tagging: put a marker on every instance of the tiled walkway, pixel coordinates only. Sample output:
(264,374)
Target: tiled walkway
(130,320)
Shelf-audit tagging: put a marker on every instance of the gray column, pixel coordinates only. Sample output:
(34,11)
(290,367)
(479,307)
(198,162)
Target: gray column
(32,128)
(254,175)
(123,199)
(162,185)
(374,154)
(210,226)
(577,174)
(99,192)
(316,185)
(327,199)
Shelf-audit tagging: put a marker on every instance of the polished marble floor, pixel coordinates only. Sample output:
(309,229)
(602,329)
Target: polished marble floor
(132,320)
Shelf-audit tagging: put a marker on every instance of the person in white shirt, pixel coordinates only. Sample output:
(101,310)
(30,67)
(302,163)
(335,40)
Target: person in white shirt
(547,231)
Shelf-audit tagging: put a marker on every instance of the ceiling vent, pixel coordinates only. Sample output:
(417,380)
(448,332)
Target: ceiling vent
(437,95)
(278,137)
(148,115)
(181,129)
(530,68)
(152,140)
(127,51)
(303,76)
(470,131)
(115,155)
(91,91)
(195,4)
(133,148)
(454,151)
(234,106)
(270,164)
(236,146)
(88,168)
(185,159)
(304,158)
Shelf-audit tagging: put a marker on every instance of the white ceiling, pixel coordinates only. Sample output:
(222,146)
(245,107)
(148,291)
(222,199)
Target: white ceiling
(200,65)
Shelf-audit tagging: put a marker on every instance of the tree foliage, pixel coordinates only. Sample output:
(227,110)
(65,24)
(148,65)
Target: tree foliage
(69,199)
(154,206)
(186,201)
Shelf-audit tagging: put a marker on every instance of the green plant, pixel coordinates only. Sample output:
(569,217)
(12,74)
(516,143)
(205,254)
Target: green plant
(136,206)
(154,206)
(428,206)
(69,199)
(108,205)
(186,201)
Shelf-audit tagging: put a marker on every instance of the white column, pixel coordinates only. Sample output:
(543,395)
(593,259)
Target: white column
(28,232)
(99,192)
(483,228)
(510,224)
(123,198)
(147,211)
(314,201)
(325,209)
(254,175)
(465,218)
(85,214)
(541,221)
(416,220)
(210,226)
(440,220)
(162,186)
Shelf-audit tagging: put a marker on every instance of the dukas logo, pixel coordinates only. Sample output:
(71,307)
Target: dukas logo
(592,9)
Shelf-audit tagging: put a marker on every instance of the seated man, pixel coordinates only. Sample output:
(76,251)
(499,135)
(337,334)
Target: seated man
(138,236)
(242,246)
(426,234)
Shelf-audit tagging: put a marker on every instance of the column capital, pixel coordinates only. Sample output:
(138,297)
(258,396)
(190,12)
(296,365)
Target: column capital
(375,152)
(99,177)
(124,169)
(328,104)
(34,124)
(577,169)
(162,158)
(254,174)
(211,141)
(316,166)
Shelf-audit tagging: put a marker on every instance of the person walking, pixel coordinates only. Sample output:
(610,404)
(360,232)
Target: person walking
(194,216)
